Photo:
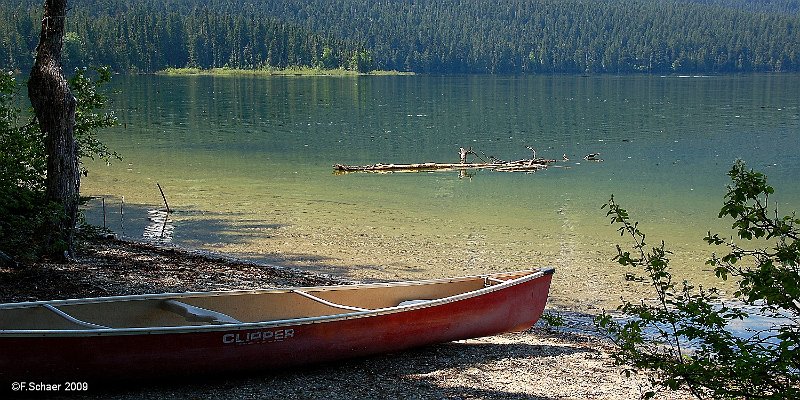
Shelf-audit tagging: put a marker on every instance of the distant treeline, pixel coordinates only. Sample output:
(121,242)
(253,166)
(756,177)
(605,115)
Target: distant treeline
(434,36)
(148,37)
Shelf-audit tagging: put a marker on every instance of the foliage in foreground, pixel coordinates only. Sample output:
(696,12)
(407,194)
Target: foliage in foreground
(684,335)
(24,211)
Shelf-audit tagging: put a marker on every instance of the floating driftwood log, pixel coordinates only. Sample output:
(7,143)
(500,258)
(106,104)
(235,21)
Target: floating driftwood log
(524,165)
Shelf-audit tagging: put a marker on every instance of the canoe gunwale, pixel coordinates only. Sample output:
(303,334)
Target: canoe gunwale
(529,275)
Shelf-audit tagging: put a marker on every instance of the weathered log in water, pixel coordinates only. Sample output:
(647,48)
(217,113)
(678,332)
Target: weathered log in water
(509,166)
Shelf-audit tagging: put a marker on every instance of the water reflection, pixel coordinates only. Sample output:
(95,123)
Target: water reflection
(160,228)
(248,163)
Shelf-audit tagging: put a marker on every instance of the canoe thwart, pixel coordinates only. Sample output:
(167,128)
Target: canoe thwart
(490,281)
(72,319)
(197,314)
(328,303)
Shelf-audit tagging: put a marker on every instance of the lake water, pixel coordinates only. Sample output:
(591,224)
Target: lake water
(246,163)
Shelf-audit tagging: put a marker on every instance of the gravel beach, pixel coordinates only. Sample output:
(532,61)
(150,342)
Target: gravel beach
(569,362)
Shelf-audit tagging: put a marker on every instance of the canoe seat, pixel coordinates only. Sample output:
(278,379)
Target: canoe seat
(197,314)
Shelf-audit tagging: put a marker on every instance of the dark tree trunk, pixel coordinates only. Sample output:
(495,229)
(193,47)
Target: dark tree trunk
(54,106)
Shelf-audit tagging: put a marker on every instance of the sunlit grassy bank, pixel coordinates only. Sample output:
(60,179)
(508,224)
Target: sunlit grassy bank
(292,71)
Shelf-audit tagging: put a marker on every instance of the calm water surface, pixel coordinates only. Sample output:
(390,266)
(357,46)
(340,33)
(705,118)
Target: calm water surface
(246,164)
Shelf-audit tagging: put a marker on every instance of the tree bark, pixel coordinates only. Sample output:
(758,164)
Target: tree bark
(54,106)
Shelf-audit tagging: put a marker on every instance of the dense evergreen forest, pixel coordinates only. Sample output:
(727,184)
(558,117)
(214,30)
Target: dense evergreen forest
(429,36)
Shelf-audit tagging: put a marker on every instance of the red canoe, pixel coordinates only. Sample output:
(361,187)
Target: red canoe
(153,336)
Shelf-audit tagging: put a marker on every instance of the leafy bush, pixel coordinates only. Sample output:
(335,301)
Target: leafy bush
(22,168)
(87,119)
(24,210)
(683,336)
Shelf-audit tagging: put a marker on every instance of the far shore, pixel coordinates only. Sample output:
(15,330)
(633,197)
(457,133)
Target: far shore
(292,71)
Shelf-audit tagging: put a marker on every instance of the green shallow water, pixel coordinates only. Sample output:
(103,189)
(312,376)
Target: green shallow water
(246,164)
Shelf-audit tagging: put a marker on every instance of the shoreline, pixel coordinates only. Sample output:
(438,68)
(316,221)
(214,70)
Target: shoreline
(291,71)
(569,362)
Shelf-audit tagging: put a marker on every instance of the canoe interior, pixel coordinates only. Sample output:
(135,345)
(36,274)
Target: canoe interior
(237,306)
